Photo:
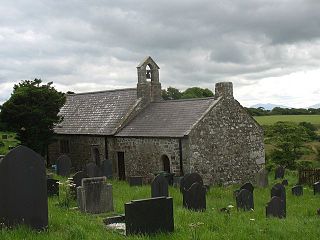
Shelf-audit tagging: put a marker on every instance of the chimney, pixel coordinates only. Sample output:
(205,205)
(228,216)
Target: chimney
(224,89)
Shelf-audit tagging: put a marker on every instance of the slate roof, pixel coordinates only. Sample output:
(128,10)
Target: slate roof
(173,118)
(96,113)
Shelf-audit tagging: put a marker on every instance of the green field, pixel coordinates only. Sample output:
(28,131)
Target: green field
(268,120)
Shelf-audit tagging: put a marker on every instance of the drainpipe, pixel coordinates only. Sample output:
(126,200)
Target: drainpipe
(180,153)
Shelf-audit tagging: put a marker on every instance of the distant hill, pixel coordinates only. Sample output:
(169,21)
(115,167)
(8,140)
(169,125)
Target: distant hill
(315,106)
(267,106)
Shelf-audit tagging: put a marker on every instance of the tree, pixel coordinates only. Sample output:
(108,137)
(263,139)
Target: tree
(196,92)
(32,111)
(171,93)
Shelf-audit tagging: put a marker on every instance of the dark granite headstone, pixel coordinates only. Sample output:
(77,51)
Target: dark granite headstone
(159,187)
(275,208)
(106,169)
(64,166)
(195,197)
(247,186)
(316,188)
(77,178)
(244,200)
(149,216)
(190,179)
(52,187)
(297,190)
(135,180)
(279,172)
(262,178)
(278,190)
(285,182)
(92,170)
(23,189)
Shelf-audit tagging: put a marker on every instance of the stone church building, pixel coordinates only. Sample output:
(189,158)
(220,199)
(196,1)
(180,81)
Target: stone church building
(141,134)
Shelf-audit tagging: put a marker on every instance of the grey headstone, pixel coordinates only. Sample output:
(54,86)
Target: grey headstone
(297,190)
(279,172)
(159,187)
(23,189)
(52,187)
(316,188)
(92,170)
(135,180)
(247,186)
(278,190)
(106,168)
(195,197)
(275,208)
(64,166)
(190,179)
(149,216)
(244,200)
(262,178)
(77,181)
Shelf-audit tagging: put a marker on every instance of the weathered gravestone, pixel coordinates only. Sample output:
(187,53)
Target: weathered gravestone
(244,200)
(64,166)
(23,189)
(77,178)
(285,182)
(52,187)
(297,190)
(188,180)
(4,136)
(275,208)
(95,195)
(278,190)
(135,180)
(247,186)
(106,168)
(262,178)
(316,188)
(149,216)
(159,187)
(279,172)
(92,170)
(195,197)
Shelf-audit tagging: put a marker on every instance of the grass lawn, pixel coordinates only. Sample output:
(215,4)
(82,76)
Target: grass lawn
(10,141)
(268,120)
(301,222)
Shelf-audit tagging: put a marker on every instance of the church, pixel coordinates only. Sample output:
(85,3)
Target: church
(141,134)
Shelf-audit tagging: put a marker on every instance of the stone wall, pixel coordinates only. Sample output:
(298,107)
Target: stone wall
(227,145)
(81,149)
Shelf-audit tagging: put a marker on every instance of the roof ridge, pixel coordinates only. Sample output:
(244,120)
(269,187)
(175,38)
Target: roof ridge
(185,100)
(112,90)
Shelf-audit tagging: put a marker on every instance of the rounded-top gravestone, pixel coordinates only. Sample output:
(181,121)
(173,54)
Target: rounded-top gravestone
(247,186)
(92,170)
(262,178)
(189,179)
(278,190)
(106,168)
(23,189)
(279,172)
(77,178)
(64,166)
(159,187)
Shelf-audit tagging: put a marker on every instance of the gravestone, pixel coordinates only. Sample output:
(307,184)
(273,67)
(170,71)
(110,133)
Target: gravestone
(297,190)
(135,180)
(159,187)
(77,178)
(92,170)
(95,195)
(176,181)
(278,190)
(23,189)
(190,179)
(64,166)
(235,193)
(149,216)
(106,169)
(285,182)
(244,200)
(318,212)
(262,178)
(52,187)
(279,172)
(4,136)
(275,208)
(195,197)
(247,186)
(316,188)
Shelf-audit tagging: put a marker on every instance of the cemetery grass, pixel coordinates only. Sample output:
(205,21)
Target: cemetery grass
(301,222)
(11,141)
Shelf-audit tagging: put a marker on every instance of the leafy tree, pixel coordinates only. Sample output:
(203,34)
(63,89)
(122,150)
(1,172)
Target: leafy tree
(310,129)
(196,92)
(32,111)
(171,93)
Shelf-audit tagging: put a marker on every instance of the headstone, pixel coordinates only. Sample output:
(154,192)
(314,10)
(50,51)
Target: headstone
(52,187)
(149,216)
(23,189)
(275,208)
(77,178)
(244,200)
(318,212)
(247,186)
(4,136)
(95,196)
(297,190)
(135,180)
(279,172)
(195,197)
(262,178)
(285,182)
(235,193)
(316,188)
(106,169)
(278,190)
(92,170)
(190,179)
(176,181)
(159,187)
(64,166)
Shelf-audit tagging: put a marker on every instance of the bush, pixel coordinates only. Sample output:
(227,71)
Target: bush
(304,164)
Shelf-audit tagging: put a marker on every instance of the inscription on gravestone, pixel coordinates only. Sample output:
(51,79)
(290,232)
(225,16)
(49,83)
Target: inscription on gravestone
(159,187)
(63,166)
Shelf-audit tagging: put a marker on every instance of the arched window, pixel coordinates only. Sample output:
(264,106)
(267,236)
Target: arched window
(165,163)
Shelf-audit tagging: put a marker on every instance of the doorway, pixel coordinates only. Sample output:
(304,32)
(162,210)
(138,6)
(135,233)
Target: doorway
(96,155)
(165,163)
(121,166)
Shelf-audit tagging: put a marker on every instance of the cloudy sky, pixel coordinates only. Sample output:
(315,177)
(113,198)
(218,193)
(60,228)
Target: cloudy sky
(269,49)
